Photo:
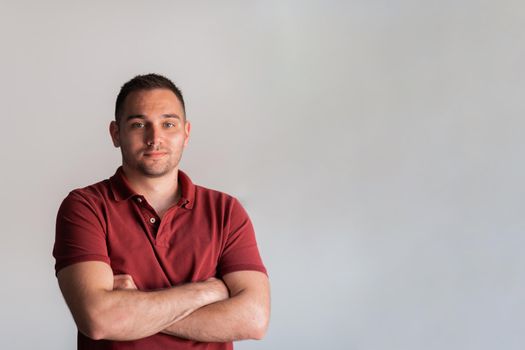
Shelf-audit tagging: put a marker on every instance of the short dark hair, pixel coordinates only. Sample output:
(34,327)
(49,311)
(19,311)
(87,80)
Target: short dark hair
(146,82)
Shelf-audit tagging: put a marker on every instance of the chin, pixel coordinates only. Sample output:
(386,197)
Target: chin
(155,171)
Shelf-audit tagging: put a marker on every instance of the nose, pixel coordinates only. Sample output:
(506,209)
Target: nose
(153,136)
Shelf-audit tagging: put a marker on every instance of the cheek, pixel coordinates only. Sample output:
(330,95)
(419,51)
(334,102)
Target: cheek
(174,140)
(180,142)
(131,143)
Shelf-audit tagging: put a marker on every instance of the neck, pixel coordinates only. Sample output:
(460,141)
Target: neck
(154,189)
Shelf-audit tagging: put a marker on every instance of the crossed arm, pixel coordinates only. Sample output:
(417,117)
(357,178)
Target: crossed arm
(202,311)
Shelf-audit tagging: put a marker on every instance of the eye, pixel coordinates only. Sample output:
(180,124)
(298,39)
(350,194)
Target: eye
(137,125)
(169,125)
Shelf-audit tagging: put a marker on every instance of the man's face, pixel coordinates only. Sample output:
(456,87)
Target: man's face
(152,132)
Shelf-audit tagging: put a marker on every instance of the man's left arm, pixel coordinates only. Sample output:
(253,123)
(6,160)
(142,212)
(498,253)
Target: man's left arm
(245,315)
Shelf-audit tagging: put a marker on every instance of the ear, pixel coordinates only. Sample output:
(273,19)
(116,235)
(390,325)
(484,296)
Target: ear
(187,128)
(113,131)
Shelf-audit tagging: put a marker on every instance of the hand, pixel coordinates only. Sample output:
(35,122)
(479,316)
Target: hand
(217,288)
(121,282)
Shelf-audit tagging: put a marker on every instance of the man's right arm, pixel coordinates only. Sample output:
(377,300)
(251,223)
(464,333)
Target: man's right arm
(103,313)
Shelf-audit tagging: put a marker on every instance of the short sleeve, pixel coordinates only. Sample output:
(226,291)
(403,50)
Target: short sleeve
(240,250)
(80,233)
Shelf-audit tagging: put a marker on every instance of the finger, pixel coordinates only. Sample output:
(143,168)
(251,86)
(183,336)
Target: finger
(123,282)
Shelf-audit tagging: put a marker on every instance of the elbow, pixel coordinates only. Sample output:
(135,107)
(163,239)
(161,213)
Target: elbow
(95,323)
(92,328)
(260,324)
(259,331)
(94,334)
(258,334)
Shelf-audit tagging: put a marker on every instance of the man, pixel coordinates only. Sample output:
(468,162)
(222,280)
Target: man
(147,259)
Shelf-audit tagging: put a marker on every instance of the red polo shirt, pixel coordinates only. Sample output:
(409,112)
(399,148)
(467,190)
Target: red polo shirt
(207,233)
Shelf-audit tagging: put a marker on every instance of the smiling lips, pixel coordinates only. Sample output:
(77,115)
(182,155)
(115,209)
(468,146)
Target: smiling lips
(155,155)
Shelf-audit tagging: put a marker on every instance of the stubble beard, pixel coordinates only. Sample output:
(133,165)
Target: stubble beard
(155,170)
(152,168)
(159,168)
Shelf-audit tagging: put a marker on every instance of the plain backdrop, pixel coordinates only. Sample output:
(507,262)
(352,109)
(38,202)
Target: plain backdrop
(377,146)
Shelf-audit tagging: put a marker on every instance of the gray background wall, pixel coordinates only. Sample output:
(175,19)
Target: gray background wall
(377,146)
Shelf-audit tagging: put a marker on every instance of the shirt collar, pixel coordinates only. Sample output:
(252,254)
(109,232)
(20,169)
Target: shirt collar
(123,191)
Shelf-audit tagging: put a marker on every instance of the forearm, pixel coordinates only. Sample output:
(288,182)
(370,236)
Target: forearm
(133,314)
(101,312)
(243,316)
(222,321)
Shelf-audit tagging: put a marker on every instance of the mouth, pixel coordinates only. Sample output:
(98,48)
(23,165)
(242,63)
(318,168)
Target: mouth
(154,155)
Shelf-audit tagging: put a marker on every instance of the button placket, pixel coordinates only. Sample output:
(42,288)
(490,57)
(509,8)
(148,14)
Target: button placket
(149,217)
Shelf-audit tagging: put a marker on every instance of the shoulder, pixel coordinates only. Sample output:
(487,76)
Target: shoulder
(216,203)
(208,196)
(205,192)
(101,189)
(93,196)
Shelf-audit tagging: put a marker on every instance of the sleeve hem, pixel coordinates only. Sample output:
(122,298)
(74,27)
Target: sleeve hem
(64,263)
(242,267)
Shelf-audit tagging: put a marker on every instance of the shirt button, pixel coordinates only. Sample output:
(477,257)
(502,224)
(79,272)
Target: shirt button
(139,199)
(152,220)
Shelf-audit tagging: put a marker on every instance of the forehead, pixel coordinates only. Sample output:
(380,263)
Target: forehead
(155,101)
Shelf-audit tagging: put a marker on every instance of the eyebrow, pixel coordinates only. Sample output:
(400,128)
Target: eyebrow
(142,116)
